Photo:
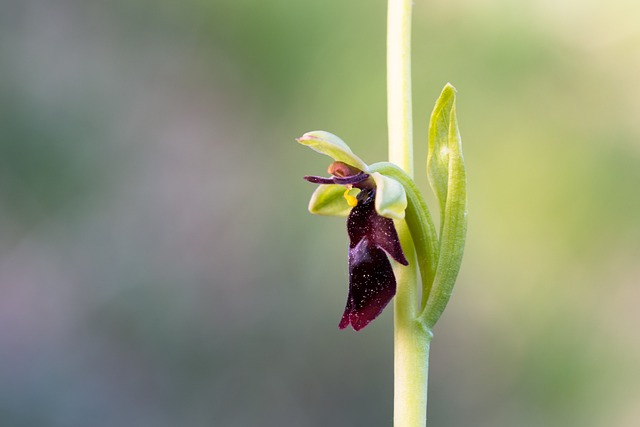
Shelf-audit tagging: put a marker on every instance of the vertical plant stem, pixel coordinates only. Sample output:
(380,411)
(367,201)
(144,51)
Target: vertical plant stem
(399,109)
(411,345)
(411,339)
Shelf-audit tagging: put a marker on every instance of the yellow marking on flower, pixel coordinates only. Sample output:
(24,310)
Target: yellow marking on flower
(351,200)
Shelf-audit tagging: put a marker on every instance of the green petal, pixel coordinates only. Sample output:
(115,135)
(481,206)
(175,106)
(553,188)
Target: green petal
(329,144)
(328,199)
(391,198)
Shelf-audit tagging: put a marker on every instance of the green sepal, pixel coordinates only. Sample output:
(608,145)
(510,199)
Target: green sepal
(328,200)
(391,198)
(332,146)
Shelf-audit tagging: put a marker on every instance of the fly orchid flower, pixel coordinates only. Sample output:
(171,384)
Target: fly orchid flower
(371,201)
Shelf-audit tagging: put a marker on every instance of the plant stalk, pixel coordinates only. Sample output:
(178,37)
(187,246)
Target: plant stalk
(399,107)
(411,338)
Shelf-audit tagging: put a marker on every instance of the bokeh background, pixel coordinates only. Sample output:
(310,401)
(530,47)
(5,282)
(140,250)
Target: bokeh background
(157,263)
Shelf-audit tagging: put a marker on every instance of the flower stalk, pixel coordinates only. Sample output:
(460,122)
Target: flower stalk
(411,338)
(399,105)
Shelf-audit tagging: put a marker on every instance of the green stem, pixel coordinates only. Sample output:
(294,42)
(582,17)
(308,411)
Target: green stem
(411,339)
(411,371)
(399,110)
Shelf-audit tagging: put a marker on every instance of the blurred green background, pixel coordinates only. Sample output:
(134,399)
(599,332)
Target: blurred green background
(157,263)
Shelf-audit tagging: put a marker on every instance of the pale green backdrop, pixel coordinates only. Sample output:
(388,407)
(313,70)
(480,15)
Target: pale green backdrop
(158,266)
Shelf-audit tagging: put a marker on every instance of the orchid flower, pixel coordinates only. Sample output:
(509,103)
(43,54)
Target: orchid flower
(371,202)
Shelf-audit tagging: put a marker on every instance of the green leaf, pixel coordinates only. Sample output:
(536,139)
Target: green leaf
(447,175)
(332,146)
(391,198)
(440,150)
(328,199)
